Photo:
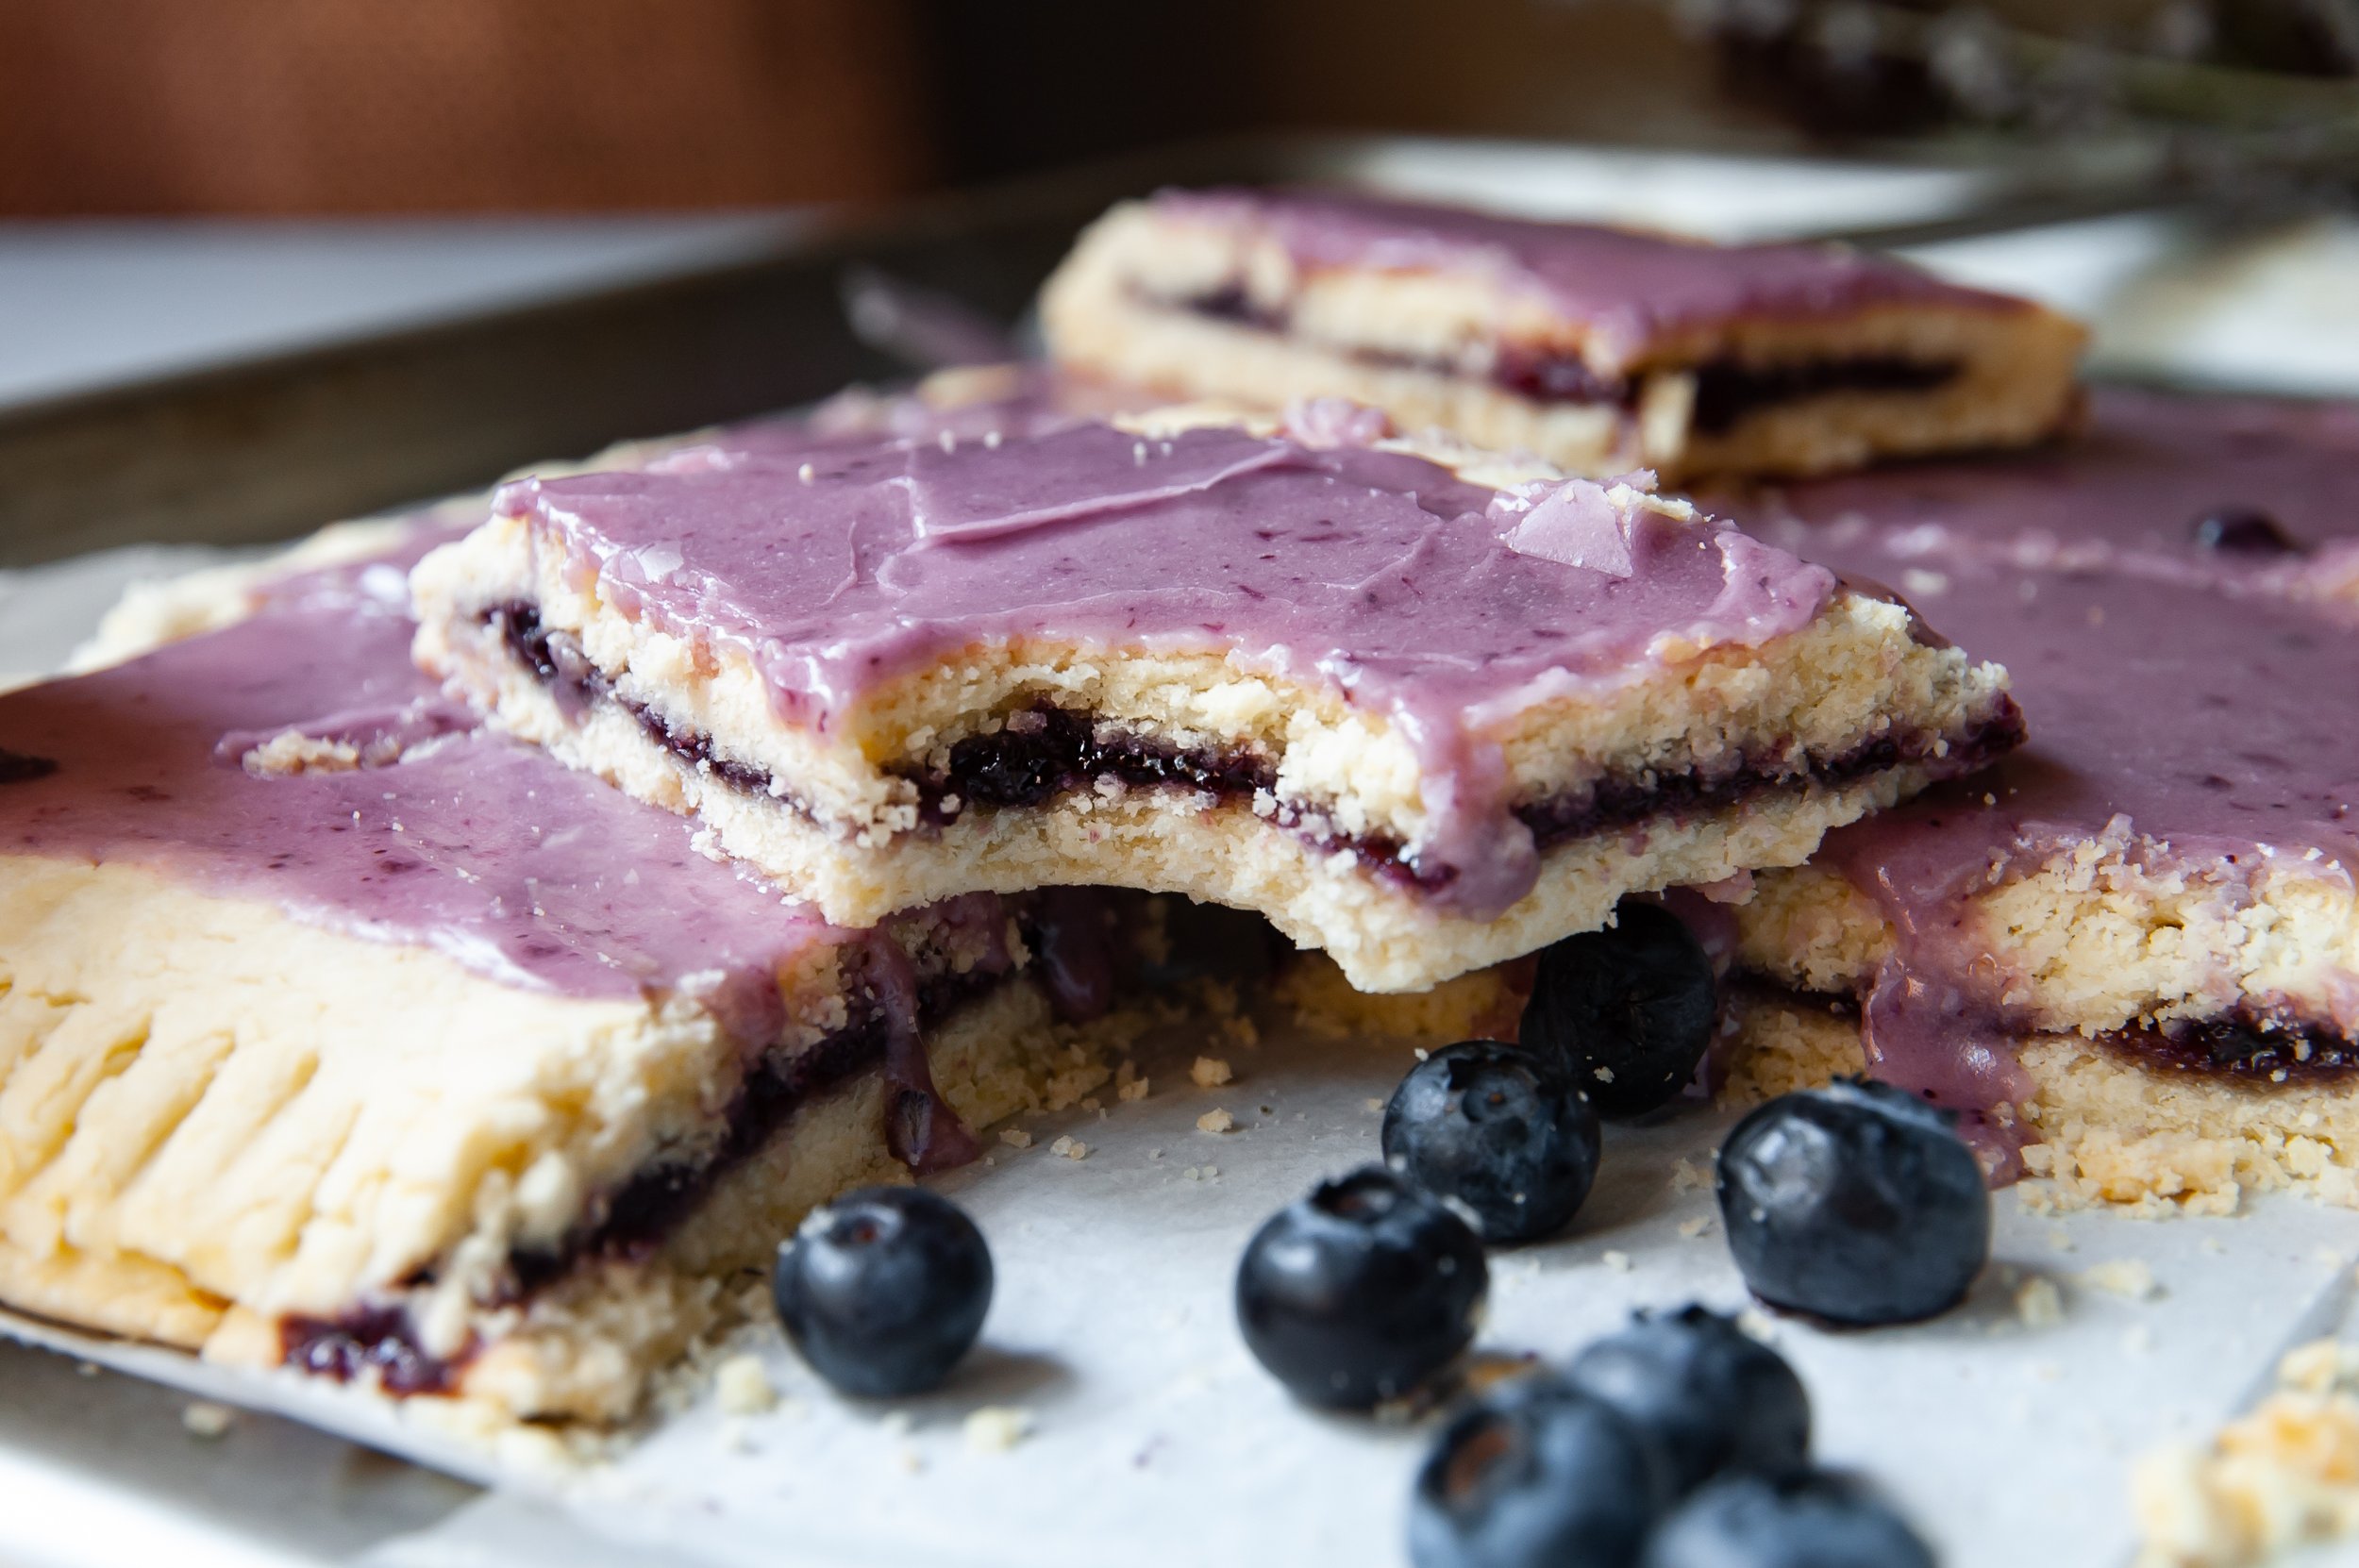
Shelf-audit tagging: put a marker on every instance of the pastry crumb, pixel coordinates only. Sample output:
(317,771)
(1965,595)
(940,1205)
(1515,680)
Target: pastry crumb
(2060,1238)
(1015,1138)
(1696,1226)
(741,1384)
(1372,1103)
(1688,1176)
(1130,1084)
(1209,1072)
(997,1428)
(1215,1120)
(2128,1277)
(207,1420)
(1070,1148)
(1616,1261)
(2276,1476)
(2038,1303)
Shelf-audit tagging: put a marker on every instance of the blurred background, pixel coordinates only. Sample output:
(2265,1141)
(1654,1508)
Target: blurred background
(368,106)
(195,183)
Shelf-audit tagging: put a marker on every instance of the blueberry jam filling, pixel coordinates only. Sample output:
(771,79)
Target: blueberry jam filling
(1043,752)
(2236,1048)
(646,1208)
(366,1339)
(638,1216)
(1726,390)
(2233,1047)
(17,767)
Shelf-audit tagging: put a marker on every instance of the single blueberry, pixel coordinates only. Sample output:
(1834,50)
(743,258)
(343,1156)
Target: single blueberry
(1537,1475)
(1498,1132)
(1360,1292)
(2244,532)
(1718,1398)
(1627,1010)
(1857,1203)
(1806,1519)
(883,1289)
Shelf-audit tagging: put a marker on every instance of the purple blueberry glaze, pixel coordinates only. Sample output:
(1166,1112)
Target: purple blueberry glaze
(1626,288)
(1378,575)
(477,846)
(2193,702)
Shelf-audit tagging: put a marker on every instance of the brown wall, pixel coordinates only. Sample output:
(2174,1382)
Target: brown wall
(374,106)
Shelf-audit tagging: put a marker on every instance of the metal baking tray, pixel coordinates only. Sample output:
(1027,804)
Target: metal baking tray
(270,447)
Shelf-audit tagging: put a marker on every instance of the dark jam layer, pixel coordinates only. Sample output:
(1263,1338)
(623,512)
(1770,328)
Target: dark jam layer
(1726,390)
(2232,1047)
(367,1339)
(382,1339)
(1043,752)
(2241,1049)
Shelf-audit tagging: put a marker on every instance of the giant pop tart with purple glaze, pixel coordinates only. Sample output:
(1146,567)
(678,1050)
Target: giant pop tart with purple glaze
(1424,714)
(2129,953)
(1598,348)
(340,1032)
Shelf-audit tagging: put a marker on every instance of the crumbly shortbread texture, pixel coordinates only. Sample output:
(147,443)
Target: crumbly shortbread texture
(1418,342)
(664,716)
(2283,1475)
(2100,1129)
(2100,937)
(214,1117)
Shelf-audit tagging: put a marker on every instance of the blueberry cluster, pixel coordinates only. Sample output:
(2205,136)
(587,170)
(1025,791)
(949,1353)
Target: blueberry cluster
(1679,1443)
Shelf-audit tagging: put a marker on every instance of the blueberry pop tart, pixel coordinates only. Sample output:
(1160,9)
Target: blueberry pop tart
(2129,952)
(338,1032)
(1600,349)
(1423,722)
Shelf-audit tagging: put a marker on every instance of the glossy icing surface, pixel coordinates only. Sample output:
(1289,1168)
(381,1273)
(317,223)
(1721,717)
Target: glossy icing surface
(1626,287)
(2192,704)
(450,838)
(1441,607)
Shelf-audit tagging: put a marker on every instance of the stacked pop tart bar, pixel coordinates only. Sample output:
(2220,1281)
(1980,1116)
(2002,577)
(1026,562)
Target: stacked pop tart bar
(453,967)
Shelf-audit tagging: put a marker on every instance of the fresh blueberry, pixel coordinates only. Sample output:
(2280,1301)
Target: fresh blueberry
(1537,1476)
(1359,1293)
(2244,532)
(1718,1398)
(1627,1010)
(1498,1132)
(1804,1519)
(883,1289)
(1857,1203)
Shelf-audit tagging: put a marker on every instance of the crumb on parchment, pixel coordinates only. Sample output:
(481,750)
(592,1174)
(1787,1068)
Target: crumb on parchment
(2283,1473)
